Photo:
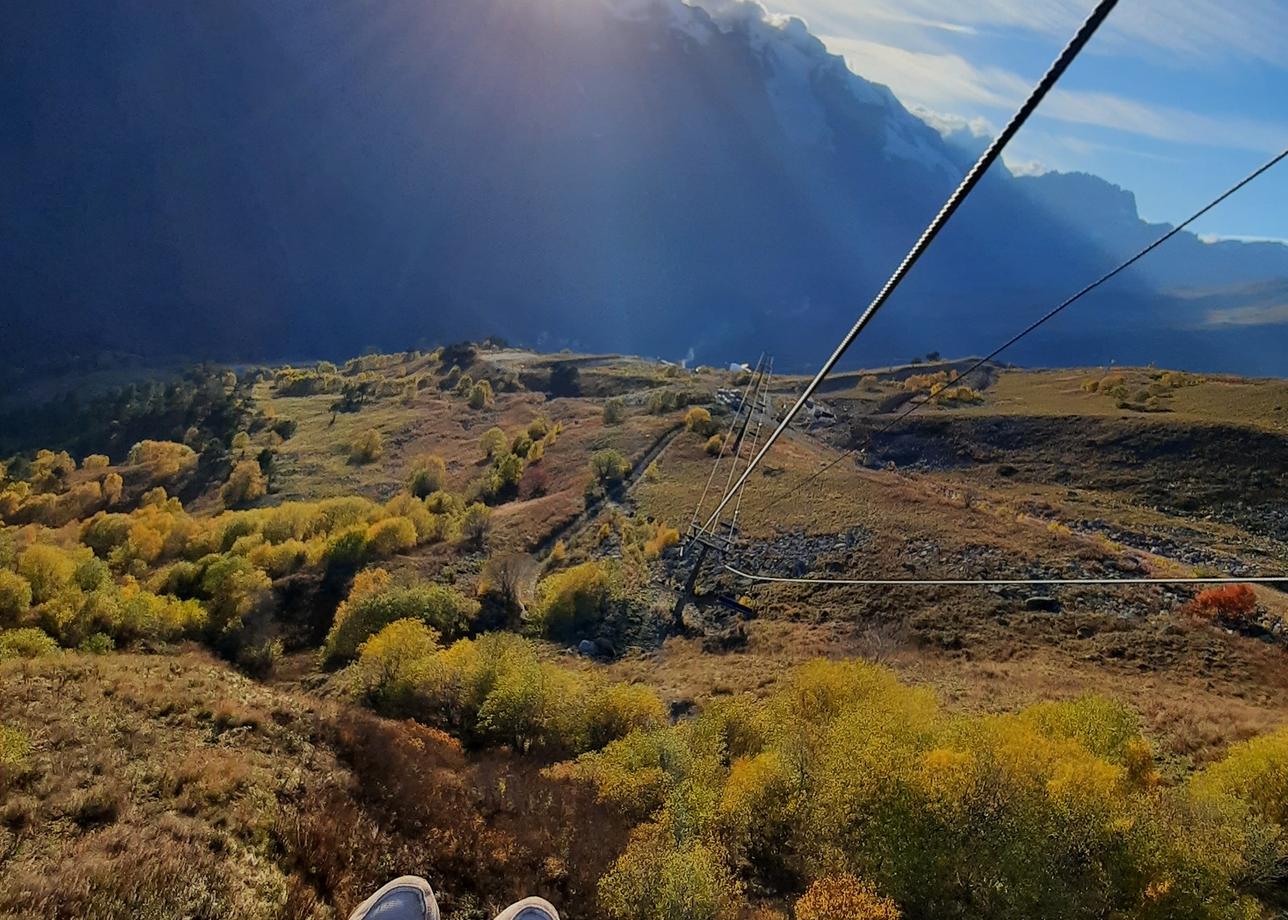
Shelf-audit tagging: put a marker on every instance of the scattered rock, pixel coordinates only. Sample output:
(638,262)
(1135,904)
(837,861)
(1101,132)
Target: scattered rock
(1043,603)
(586,647)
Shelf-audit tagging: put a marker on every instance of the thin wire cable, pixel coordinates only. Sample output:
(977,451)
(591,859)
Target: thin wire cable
(1049,315)
(999,582)
(968,184)
(760,406)
(759,379)
(715,466)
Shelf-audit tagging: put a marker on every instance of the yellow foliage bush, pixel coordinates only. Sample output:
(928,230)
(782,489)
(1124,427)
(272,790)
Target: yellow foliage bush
(1255,772)
(698,420)
(246,483)
(574,598)
(166,459)
(374,602)
(367,447)
(1054,811)
(15,597)
(391,535)
(844,897)
(496,691)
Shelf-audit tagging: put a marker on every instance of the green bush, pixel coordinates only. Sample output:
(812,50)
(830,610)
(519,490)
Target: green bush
(15,597)
(609,466)
(659,877)
(1051,812)
(389,536)
(26,643)
(572,600)
(495,690)
(614,411)
(444,609)
(429,475)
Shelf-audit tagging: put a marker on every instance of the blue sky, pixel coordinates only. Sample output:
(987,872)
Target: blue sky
(1174,99)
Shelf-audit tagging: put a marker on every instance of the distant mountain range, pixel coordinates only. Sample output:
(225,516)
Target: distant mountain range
(247,180)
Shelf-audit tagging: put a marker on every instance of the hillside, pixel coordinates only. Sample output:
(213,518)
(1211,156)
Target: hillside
(257,182)
(272,635)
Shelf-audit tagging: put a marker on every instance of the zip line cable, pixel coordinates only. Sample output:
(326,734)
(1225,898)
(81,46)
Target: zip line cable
(761,407)
(733,423)
(968,184)
(1051,314)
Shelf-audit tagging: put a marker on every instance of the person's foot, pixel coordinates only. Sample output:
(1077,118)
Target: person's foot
(530,909)
(406,898)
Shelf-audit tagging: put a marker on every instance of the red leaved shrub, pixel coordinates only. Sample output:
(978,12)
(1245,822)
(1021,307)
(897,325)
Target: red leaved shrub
(1227,603)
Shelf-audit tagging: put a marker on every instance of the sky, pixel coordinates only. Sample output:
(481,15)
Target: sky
(1173,99)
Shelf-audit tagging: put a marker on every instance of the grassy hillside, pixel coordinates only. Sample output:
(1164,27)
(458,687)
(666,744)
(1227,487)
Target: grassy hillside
(270,636)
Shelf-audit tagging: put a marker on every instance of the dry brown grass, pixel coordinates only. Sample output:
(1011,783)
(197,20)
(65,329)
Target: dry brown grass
(141,798)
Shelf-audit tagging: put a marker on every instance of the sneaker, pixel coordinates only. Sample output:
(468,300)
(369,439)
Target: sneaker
(406,898)
(530,909)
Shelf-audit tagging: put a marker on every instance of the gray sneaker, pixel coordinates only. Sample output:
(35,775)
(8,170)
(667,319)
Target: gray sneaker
(406,898)
(530,909)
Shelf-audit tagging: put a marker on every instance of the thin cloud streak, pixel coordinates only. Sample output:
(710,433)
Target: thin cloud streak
(945,82)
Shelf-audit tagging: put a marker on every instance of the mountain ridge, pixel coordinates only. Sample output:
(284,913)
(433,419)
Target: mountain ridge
(637,175)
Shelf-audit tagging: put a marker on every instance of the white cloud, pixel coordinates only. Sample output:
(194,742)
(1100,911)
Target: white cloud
(1240,238)
(1205,29)
(939,81)
(1270,315)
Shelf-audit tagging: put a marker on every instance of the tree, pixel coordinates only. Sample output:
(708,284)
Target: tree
(481,395)
(476,524)
(368,447)
(246,483)
(494,443)
(510,578)
(427,476)
(614,411)
(609,466)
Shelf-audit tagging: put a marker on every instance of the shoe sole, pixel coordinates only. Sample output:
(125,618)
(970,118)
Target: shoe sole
(539,903)
(406,881)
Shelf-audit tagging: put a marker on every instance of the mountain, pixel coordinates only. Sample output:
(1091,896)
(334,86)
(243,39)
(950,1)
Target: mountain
(250,180)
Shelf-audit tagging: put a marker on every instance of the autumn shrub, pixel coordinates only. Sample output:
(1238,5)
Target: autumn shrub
(661,539)
(481,395)
(572,600)
(47,569)
(233,589)
(698,420)
(246,483)
(1047,812)
(389,536)
(715,445)
(609,466)
(476,524)
(367,447)
(657,876)
(280,559)
(614,411)
(495,690)
(371,607)
(844,897)
(494,442)
(27,642)
(166,459)
(428,475)
(1233,604)
(1255,772)
(15,597)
